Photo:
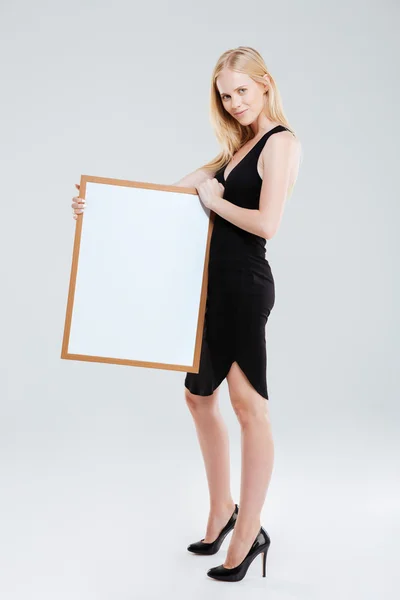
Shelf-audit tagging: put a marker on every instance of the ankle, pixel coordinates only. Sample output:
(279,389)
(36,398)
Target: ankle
(245,530)
(221,509)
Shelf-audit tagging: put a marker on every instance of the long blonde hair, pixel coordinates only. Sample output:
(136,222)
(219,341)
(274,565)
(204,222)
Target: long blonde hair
(229,132)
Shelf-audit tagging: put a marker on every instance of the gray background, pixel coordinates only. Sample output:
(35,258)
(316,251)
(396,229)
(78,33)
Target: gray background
(102,480)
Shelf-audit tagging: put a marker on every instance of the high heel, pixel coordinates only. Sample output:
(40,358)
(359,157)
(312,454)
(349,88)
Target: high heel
(213,547)
(259,546)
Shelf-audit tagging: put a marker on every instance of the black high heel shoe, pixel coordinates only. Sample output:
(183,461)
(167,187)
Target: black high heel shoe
(213,547)
(260,545)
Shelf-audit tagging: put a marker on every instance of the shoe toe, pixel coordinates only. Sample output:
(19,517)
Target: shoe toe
(216,571)
(200,547)
(194,546)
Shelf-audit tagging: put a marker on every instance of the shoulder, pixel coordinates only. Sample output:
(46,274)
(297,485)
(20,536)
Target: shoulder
(282,144)
(283,139)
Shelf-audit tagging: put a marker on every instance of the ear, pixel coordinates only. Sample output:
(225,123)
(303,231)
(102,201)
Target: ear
(267,82)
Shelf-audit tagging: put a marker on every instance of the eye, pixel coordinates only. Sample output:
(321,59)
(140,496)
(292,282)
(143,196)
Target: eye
(224,95)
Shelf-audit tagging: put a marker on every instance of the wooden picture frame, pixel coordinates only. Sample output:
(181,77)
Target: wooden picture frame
(138,283)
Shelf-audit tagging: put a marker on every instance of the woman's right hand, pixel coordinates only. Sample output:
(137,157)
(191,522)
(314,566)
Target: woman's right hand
(78,204)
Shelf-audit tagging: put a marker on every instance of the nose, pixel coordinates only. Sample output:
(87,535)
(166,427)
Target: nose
(236,103)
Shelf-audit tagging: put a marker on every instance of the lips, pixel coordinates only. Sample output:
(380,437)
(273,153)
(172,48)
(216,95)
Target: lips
(240,113)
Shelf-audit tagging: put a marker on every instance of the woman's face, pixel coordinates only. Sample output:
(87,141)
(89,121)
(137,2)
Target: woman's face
(241,96)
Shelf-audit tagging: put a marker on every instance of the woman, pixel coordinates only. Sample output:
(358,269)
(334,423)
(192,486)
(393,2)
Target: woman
(246,186)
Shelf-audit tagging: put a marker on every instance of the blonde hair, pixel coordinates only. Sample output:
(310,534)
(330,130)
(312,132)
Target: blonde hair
(229,132)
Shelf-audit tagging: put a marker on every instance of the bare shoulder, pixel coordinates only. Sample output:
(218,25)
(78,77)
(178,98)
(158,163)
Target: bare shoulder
(195,178)
(282,143)
(283,139)
(282,150)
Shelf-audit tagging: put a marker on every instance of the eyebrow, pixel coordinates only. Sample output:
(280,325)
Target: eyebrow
(240,86)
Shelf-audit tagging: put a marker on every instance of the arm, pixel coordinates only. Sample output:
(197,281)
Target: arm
(281,160)
(277,157)
(195,178)
(245,218)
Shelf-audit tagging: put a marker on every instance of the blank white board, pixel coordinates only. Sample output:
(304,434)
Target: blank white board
(138,282)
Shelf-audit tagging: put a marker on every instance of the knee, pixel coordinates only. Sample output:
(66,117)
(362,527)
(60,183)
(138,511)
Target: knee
(242,409)
(249,410)
(197,403)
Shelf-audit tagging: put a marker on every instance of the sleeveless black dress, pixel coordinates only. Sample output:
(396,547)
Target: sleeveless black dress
(241,289)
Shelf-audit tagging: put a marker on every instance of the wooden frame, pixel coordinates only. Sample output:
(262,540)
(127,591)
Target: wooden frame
(197,252)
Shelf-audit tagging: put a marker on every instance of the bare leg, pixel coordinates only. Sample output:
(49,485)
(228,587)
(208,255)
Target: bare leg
(257,462)
(212,434)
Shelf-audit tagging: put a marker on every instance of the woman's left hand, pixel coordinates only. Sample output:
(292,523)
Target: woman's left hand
(210,191)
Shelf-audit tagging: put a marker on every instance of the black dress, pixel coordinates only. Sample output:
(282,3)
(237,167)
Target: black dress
(241,290)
